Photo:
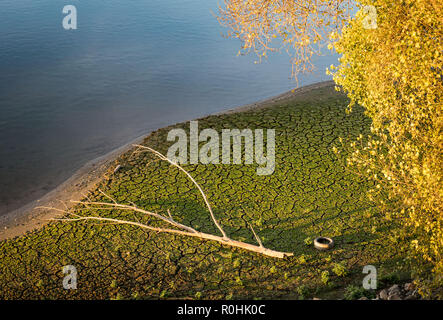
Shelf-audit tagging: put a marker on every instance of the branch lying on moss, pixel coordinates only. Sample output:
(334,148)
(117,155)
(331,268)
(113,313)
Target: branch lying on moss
(181,229)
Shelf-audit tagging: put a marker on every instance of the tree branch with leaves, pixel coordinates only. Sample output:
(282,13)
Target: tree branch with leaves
(299,27)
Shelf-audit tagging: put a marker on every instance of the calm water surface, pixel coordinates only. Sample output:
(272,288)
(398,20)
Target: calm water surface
(67,97)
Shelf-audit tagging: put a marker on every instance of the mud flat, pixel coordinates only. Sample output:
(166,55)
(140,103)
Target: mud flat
(28,217)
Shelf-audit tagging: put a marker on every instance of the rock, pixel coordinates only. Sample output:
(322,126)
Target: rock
(316,298)
(394,297)
(394,289)
(415,294)
(409,286)
(383,294)
(363,298)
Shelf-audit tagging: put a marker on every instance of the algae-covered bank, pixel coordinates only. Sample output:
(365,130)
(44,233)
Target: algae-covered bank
(310,193)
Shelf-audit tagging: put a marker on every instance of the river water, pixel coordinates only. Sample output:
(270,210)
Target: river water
(67,97)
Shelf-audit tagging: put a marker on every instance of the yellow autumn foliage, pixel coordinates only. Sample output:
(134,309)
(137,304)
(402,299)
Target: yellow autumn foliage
(395,71)
(391,64)
(298,27)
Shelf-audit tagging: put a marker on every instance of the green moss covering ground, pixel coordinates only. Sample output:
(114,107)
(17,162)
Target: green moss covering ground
(310,194)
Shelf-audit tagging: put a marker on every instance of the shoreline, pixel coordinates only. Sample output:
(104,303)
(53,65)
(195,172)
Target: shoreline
(28,218)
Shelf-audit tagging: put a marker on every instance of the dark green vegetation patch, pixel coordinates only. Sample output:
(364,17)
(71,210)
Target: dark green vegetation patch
(310,194)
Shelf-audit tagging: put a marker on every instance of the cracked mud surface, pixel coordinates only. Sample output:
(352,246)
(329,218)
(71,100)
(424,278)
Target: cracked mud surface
(310,194)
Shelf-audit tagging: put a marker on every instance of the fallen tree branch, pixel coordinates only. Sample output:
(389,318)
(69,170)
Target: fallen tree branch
(158,154)
(181,228)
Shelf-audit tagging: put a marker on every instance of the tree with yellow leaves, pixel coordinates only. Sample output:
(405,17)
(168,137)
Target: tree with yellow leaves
(391,64)
(299,27)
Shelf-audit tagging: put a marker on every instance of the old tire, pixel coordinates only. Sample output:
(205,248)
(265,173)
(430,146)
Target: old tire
(323,243)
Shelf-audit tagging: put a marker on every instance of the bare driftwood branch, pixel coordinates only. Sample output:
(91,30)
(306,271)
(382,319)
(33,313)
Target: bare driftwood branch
(179,228)
(158,154)
(256,237)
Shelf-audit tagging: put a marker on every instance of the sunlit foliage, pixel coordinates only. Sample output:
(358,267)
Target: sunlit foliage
(394,71)
(301,27)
